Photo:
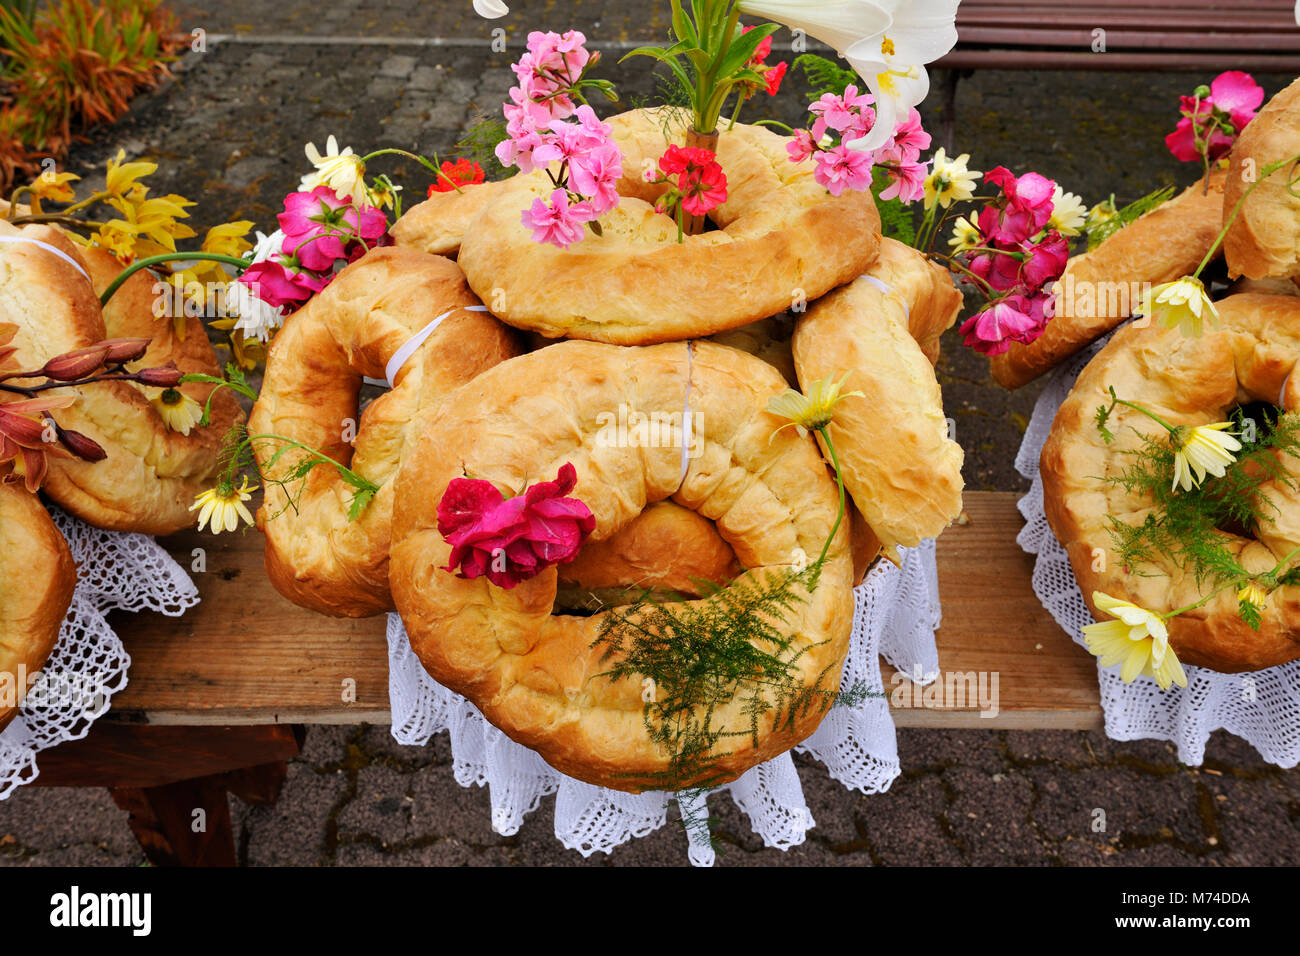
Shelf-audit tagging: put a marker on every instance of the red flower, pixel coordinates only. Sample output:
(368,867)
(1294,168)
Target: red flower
(701,182)
(512,539)
(774,76)
(454,175)
(703,189)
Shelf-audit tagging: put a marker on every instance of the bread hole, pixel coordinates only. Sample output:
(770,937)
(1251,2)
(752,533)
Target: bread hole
(667,550)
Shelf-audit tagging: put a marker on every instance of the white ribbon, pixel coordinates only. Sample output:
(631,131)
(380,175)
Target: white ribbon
(49,248)
(402,355)
(687,419)
(887,289)
(1282,393)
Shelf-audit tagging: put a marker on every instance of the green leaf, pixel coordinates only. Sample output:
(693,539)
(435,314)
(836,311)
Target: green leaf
(743,47)
(825,76)
(1131,213)
(896,217)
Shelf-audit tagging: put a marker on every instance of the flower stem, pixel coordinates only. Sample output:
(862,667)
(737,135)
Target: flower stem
(145,263)
(1264,173)
(824,431)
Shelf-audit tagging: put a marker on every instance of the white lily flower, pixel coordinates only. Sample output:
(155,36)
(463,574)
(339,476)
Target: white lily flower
(837,23)
(490,9)
(893,62)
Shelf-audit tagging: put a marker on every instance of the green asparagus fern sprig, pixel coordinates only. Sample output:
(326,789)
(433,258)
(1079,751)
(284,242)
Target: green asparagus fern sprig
(1186,527)
(1098,231)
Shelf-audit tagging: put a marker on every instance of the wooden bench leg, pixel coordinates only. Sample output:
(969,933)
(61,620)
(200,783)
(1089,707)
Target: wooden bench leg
(176,781)
(948,122)
(188,823)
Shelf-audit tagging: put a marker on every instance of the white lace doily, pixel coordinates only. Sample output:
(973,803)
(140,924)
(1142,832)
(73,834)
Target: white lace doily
(115,571)
(896,613)
(1263,707)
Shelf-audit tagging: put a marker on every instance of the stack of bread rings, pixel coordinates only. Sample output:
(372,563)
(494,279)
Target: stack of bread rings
(149,475)
(1249,355)
(509,360)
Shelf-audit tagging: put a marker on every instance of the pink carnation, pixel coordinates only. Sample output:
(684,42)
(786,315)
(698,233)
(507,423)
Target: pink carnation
(801,146)
(992,331)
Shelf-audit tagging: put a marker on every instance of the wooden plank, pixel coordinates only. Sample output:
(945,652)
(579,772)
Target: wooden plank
(135,756)
(1127,61)
(245,655)
(993,624)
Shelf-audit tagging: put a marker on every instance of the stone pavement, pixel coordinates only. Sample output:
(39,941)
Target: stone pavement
(229,132)
(355,797)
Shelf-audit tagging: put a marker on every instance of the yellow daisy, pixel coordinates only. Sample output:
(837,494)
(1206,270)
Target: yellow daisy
(1137,638)
(965,235)
(178,411)
(949,180)
(224,506)
(1201,450)
(811,411)
(343,172)
(1068,213)
(1182,304)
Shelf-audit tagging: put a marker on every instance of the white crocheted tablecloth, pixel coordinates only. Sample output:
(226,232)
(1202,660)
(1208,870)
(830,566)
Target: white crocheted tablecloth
(1262,708)
(896,614)
(115,571)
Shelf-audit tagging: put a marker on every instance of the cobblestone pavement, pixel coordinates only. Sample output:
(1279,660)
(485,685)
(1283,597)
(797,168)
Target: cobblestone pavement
(229,131)
(355,797)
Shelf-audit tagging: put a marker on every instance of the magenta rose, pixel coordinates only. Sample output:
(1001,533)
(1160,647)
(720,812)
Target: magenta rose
(509,540)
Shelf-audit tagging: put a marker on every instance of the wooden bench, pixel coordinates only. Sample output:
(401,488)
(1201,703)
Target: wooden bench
(1196,36)
(218,699)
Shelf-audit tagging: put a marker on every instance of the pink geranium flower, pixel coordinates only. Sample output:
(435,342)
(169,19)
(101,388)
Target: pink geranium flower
(910,138)
(510,540)
(906,176)
(596,173)
(558,221)
(839,113)
(841,167)
(801,146)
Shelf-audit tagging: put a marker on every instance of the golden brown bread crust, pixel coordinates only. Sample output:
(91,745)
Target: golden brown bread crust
(1096,293)
(315,556)
(665,549)
(151,475)
(768,339)
(535,675)
(438,224)
(1264,240)
(1191,382)
(37,578)
(898,463)
(783,237)
(919,290)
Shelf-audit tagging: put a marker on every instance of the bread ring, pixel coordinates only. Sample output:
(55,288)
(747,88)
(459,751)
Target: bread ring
(666,549)
(315,556)
(781,237)
(1186,382)
(1096,292)
(536,676)
(918,290)
(898,462)
(1264,240)
(152,474)
(37,578)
